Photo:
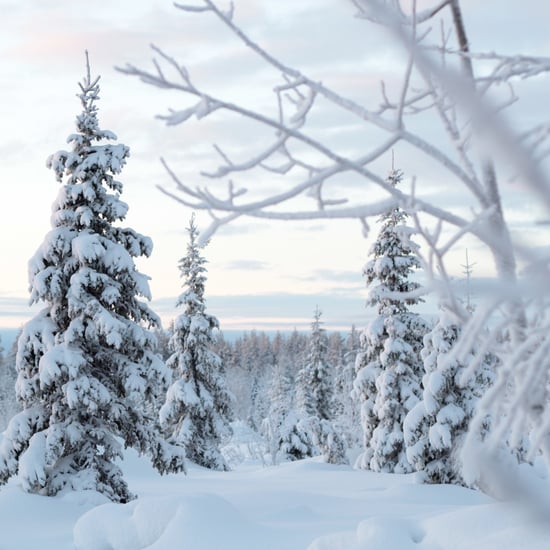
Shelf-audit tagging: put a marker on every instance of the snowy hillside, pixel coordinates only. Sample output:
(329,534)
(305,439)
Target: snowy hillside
(294,506)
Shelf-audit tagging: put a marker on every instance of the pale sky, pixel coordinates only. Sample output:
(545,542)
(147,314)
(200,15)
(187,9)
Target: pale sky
(264,275)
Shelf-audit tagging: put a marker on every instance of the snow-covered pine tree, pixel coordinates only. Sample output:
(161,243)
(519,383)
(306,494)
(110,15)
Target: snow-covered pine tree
(299,431)
(285,429)
(197,412)
(436,426)
(315,397)
(315,378)
(335,355)
(389,367)
(87,373)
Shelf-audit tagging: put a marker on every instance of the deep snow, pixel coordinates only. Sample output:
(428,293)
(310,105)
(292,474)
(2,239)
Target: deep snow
(293,506)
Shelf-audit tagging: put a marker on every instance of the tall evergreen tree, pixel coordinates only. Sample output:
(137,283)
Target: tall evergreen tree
(389,368)
(315,398)
(197,411)
(315,378)
(437,425)
(281,403)
(286,427)
(88,376)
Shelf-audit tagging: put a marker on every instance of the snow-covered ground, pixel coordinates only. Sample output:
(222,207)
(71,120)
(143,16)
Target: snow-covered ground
(293,506)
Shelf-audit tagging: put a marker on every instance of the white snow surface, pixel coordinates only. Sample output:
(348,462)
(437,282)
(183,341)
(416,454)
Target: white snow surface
(303,505)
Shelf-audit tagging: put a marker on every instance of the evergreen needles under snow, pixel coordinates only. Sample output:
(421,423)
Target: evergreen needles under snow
(315,405)
(389,368)
(436,426)
(87,372)
(197,410)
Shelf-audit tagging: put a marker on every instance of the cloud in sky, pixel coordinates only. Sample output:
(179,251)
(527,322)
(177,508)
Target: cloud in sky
(278,311)
(238,312)
(341,308)
(15,311)
(268,273)
(353,277)
(247,265)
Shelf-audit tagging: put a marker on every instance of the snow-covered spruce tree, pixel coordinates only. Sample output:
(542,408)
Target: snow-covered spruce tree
(315,397)
(197,412)
(285,428)
(389,367)
(436,426)
(315,378)
(299,430)
(87,373)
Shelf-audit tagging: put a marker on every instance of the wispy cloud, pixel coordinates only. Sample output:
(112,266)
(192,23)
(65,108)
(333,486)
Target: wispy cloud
(247,265)
(15,311)
(335,276)
(287,310)
(277,311)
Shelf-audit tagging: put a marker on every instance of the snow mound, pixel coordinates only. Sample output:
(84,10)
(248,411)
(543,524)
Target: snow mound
(197,522)
(375,533)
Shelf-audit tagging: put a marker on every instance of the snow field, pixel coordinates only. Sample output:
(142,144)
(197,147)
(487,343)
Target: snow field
(304,505)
